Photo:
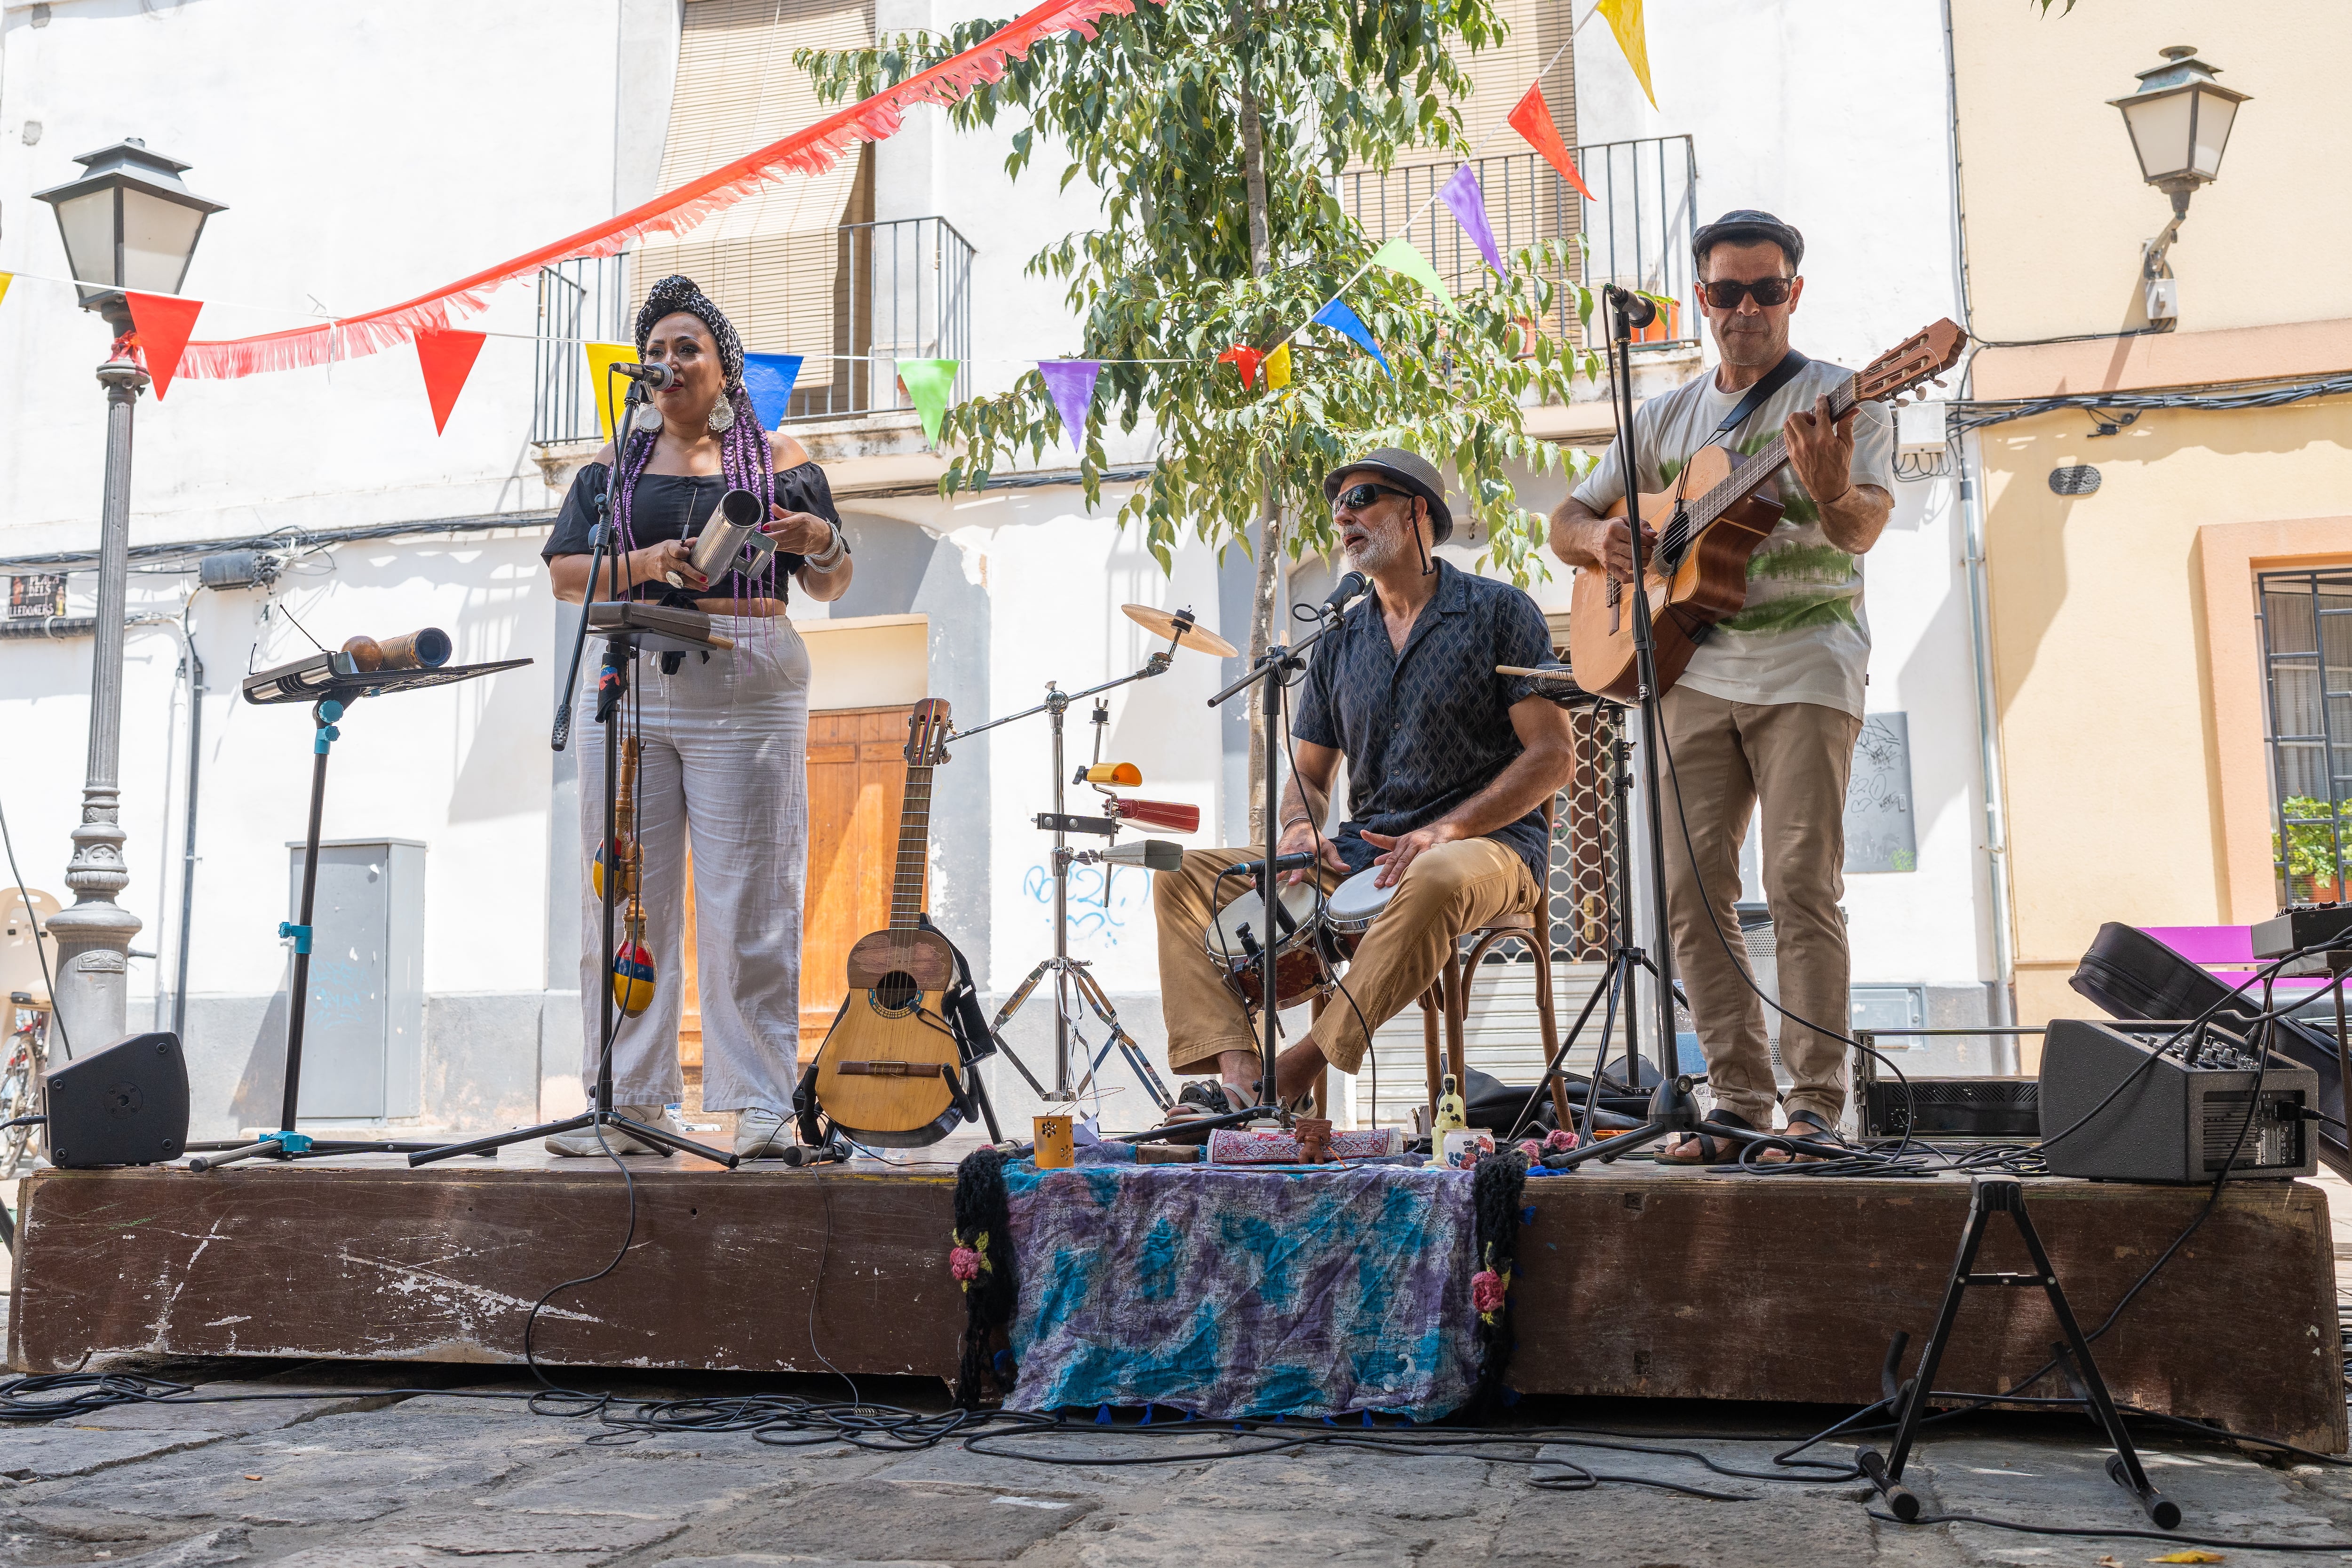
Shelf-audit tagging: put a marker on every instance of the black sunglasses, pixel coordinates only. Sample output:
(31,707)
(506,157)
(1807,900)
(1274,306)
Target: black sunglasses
(1356,497)
(1765,291)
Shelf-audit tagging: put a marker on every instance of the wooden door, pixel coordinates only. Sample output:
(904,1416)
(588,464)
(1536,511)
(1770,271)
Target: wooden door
(857,785)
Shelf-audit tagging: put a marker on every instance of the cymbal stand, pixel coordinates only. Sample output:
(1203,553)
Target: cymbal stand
(1072,975)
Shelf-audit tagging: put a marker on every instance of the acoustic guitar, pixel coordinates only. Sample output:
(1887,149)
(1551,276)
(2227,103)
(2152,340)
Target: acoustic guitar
(1708,525)
(886,1072)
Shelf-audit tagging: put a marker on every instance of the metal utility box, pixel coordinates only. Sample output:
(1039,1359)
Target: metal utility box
(363,1040)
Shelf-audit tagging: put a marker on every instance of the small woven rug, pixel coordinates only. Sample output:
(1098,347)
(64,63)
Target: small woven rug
(1244,1292)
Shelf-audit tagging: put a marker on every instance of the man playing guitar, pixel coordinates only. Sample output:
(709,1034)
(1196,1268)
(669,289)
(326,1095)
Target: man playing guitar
(1767,714)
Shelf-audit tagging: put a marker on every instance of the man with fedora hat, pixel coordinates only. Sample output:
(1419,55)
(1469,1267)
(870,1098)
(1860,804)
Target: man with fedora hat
(1449,765)
(1765,718)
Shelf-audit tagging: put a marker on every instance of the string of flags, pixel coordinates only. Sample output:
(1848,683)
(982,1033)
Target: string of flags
(162,325)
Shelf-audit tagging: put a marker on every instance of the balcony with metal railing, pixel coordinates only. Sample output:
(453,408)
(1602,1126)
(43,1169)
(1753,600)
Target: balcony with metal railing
(1635,232)
(853,301)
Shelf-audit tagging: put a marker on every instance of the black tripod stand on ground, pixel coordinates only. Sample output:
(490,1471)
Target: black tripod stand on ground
(331,682)
(1989,1196)
(626,628)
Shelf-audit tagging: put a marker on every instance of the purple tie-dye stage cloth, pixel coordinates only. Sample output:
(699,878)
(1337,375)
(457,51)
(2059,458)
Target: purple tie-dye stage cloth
(1227,1293)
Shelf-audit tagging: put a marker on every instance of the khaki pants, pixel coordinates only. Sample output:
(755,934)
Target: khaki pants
(1452,888)
(1790,759)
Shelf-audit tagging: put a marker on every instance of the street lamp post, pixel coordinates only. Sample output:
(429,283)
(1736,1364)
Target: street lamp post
(2179,122)
(127,224)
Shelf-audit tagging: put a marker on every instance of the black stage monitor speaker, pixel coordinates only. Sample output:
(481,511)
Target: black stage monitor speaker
(2179,1117)
(126,1105)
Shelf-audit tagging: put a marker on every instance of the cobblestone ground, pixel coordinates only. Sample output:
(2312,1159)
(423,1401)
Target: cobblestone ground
(345,1479)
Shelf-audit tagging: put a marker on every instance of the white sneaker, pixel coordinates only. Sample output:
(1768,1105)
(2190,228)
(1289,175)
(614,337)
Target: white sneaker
(762,1135)
(583,1144)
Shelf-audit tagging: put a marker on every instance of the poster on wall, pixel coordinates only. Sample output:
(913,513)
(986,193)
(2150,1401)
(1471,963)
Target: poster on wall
(37,594)
(1878,828)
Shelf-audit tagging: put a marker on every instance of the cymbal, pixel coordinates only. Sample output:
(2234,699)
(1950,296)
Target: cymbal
(1163,623)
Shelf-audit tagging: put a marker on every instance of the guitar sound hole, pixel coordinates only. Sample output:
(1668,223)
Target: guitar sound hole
(897,994)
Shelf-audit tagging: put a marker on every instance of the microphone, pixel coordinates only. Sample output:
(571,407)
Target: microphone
(1151,854)
(1637,311)
(660,377)
(1351,586)
(1299,861)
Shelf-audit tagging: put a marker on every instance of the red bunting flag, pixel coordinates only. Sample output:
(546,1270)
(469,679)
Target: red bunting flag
(1532,120)
(446,358)
(161,324)
(1244,358)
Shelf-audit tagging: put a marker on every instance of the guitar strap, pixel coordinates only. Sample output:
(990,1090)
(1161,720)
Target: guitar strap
(1778,377)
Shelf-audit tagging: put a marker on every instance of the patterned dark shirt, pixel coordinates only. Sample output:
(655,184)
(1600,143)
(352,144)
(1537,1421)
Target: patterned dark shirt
(1426,729)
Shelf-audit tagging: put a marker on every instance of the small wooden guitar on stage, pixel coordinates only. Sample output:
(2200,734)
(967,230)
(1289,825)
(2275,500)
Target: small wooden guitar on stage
(1708,525)
(886,1072)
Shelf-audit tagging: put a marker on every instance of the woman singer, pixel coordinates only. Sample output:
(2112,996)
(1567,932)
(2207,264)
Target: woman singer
(724,733)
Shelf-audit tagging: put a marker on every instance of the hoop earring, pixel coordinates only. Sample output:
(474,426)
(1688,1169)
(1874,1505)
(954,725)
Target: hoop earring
(722,414)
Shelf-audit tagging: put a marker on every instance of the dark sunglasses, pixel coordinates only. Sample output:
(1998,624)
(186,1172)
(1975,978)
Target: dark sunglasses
(1765,291)
(1356,497)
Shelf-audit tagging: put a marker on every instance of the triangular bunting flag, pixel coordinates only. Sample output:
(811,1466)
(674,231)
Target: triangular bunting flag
(1532,120)
(163,325)
(927,382)
(1244,358)
(446,358)
(1399,256)
(610,391)
(1072,384)
(1625,21)
(1464,197)
(1277,367)
(770,379)
(1340,318)
(5,278)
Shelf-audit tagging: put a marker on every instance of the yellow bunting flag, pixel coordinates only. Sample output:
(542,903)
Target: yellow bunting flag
(5,278)
(1625,21)
(1399,254)
(1277,367)
(610,388)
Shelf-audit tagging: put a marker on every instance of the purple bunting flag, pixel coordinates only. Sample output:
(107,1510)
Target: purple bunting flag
(1468,203)
(1072,384)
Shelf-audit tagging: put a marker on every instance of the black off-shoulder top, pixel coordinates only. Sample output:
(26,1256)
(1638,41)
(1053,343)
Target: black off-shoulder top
(676,506)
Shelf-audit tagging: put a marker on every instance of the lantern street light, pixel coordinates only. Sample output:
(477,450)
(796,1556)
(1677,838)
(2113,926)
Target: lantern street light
(127,224)
(2179,122)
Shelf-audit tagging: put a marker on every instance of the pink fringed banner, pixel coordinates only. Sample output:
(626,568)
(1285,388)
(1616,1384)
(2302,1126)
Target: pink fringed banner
(808,151)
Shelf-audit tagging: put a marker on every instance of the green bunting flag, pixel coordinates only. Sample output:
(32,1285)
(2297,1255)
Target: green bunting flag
(927,382)
(1399,256)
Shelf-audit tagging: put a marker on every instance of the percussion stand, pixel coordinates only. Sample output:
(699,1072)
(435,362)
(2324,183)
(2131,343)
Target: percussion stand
(621,646)
(1672,1108)
(1069,971)
(335,682)
(1272,670)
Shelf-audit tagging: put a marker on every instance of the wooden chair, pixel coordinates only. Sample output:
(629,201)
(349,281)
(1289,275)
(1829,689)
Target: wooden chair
(1448,996)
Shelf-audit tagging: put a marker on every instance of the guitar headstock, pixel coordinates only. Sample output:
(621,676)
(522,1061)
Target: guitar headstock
(927,733)
(1922,356)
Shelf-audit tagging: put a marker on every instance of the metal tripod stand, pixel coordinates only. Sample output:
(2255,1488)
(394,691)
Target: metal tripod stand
(1074,982)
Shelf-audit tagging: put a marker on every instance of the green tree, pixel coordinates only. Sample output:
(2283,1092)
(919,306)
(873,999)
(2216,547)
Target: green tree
(1216,130)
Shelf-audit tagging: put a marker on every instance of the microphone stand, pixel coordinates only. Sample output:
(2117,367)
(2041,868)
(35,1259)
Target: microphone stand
(1672,1108)
(1278,662)
(620,651)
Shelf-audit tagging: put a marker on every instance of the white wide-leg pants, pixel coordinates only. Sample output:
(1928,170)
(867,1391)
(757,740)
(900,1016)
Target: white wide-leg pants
(725,767)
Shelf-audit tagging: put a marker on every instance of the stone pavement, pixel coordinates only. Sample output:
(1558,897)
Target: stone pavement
(348,1478)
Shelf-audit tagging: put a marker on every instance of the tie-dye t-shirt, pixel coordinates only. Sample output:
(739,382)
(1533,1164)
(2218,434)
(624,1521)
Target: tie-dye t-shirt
(1802,636)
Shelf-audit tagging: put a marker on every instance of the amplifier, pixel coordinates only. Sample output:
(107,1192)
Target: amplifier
(2179,1117)
(1994,1109)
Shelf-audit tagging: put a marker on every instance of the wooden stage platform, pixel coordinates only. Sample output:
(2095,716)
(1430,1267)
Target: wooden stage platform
(1635,1281)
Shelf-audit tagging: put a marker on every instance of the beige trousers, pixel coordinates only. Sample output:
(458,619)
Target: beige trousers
(1790,759)
(1446,891)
